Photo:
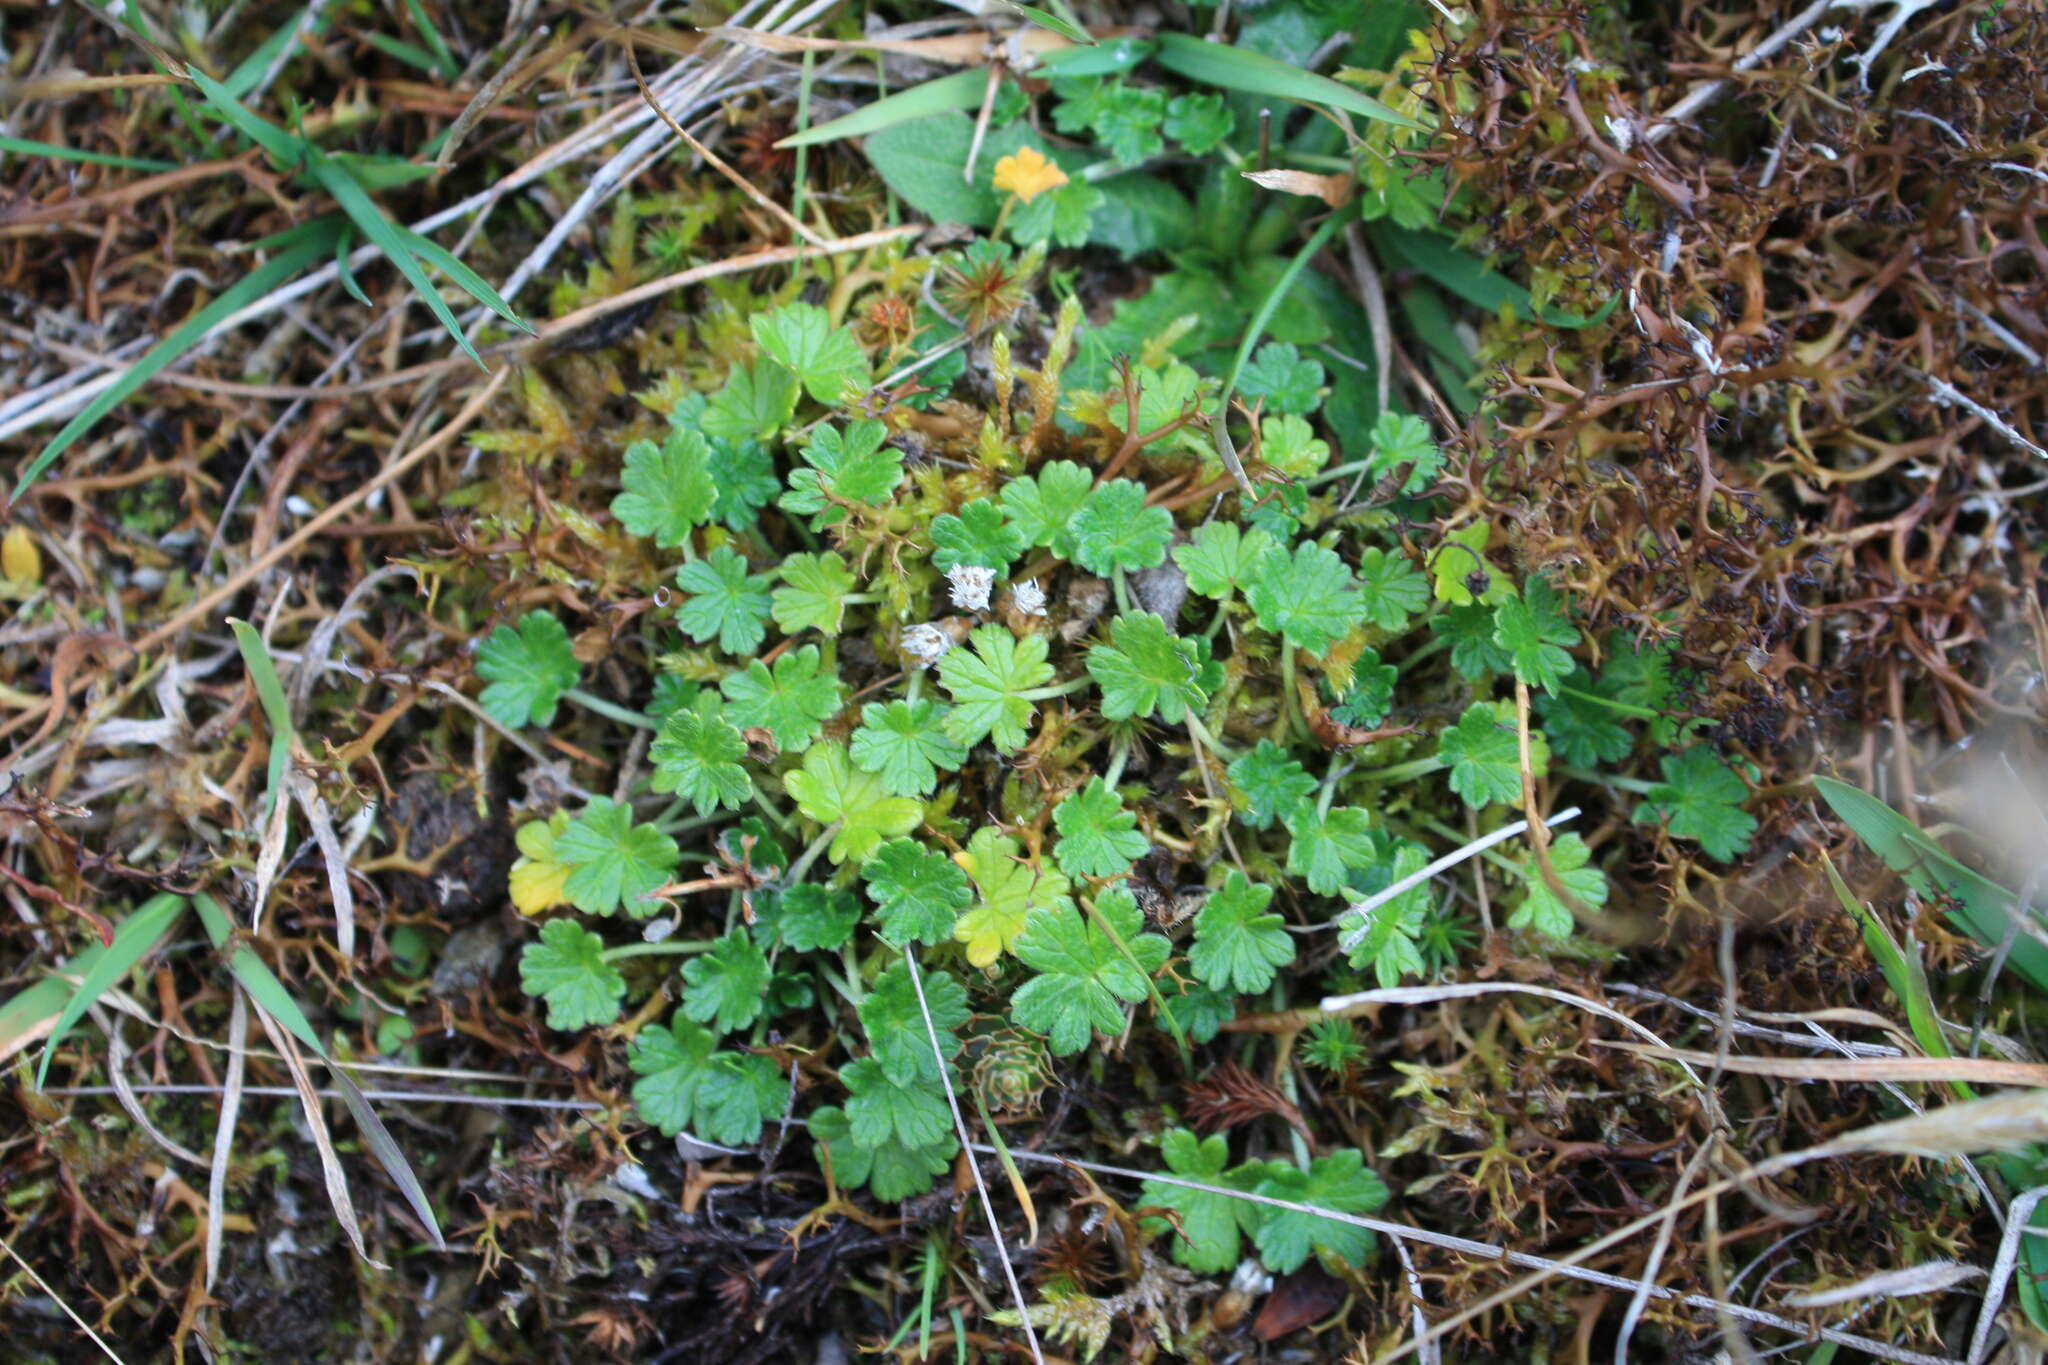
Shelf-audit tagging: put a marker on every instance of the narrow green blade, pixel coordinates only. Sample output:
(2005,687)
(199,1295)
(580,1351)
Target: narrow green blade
(961,90)
(242,292)
(1254,73)
(133,937)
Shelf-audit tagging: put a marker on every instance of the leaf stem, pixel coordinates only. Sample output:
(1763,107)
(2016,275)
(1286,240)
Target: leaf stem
(1209,741)
(1627,784)
(1122,590)
(610,710)
(1119,755)
(1063,689)
(810,855)
(1407,772)
(1627,709)
(667,948)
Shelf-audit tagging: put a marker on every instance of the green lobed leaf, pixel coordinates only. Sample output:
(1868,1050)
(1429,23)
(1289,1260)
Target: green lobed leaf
(528,667)
(566,968)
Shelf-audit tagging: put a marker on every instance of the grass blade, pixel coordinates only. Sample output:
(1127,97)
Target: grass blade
(444,59)
(22,146)
(449,264)
(263,673)
(384,235)
(1254,73)
(133,938)
(1053,23)
(1979,905)
(961,90)
(1471,278)
(271,999)
(189,334)
(285,149)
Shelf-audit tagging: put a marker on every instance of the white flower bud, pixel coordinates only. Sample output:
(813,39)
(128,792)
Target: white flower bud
(971,586)
(926,643)
(1028,597)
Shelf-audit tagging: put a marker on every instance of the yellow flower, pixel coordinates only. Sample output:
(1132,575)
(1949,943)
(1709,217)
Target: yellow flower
(1027,174)
(538,881)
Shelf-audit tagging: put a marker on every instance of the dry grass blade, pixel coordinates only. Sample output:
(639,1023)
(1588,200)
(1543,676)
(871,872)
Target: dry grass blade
(316,1124)
(2004,1123)
(1429,995)
(967,1144)
(1487,1251)
(1930,1277)
(1851,1070)
(224,1134)
(124,1091)
(58,1299)
(2017,1217)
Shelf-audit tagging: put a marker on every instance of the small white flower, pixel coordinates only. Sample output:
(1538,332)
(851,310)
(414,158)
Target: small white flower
(926,643)
(1029,597)
(971,586)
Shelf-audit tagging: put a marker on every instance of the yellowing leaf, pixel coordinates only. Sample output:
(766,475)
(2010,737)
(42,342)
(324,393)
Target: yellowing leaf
(1010,891)
(20,560)
(538,881)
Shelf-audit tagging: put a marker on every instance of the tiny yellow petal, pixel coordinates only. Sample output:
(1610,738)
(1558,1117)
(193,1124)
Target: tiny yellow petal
(20,560)
(1027,174)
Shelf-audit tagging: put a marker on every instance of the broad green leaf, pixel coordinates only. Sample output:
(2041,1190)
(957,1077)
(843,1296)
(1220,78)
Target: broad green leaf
(814,592)
(918,892)
(726,602)
(613,860)
(1083,979)
(890,1170)
(1327,846)
(1271,781)
(882,1109)
(1701,798)
(528,667)
(906,745)
(727,986)
(1540,909)
(1207,1240)
(666,490)
(791,700)
(1148,670)
(1484,756)
(896,1026)
(830,790)
(566,968)
(826,358)
(1010,890)
(697,756)
(989,680)
(685,1082)
(1341,1183)
(1098,837)
(1239,943)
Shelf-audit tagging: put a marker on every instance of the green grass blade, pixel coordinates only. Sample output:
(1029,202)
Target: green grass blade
(1979,905)
(1254,73)
(1463,273)
(268,994)
(961,90)
(283,147)
(22,146)
(133,937)
(445,61)
(243,78)
(384,235)
(27,1014)
(262,672)
(344,240)
(242,292)
(1053,23)
(1271,304)
(475,285)
(409,53)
